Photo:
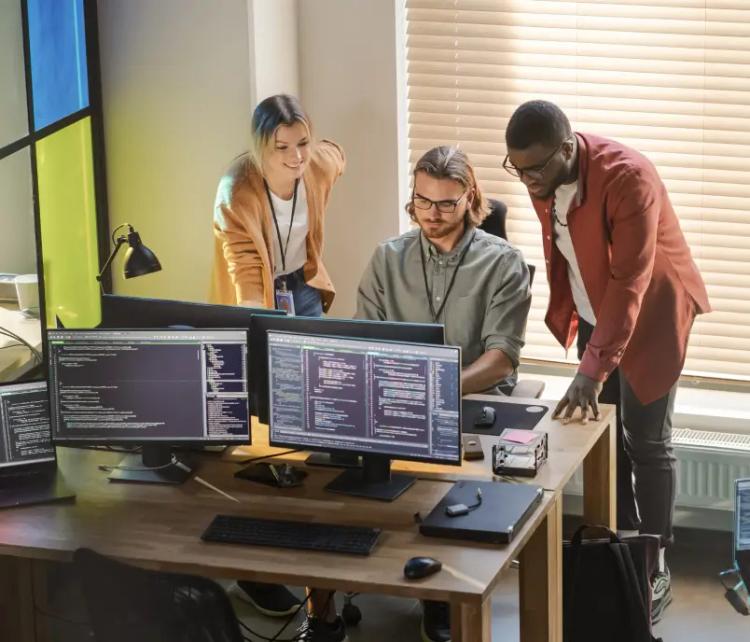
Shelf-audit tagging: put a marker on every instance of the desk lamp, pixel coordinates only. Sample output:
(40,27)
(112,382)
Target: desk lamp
(139,259)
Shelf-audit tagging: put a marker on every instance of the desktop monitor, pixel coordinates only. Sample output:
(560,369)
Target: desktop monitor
(138,312)
(382,400)
(149,388)
(742,528)
(260,325)
(25,440)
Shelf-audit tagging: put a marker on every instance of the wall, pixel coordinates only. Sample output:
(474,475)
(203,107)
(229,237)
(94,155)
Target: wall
(348,81)
(177,97)
(274,47)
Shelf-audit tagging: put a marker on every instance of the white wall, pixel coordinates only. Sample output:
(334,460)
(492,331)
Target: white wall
(274,48)
(348,81)
(177,101)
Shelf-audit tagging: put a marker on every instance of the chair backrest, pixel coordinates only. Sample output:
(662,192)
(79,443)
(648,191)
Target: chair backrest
(126,604)
(495,224)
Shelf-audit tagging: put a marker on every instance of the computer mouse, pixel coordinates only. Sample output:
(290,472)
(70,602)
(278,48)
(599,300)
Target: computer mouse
(419,567)
(486,418)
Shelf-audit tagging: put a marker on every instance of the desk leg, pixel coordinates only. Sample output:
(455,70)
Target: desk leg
(599,480)
(540,580)
(16,601)
(471,621)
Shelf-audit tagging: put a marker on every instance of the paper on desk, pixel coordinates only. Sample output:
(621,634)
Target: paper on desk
(519,436)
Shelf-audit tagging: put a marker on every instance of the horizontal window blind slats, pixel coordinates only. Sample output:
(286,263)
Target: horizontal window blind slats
(670,78)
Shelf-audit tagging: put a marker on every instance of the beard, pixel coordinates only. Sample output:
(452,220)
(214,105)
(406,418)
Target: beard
(442,229)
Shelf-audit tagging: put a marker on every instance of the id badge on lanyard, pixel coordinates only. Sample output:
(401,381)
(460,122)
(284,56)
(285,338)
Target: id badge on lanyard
(285,299)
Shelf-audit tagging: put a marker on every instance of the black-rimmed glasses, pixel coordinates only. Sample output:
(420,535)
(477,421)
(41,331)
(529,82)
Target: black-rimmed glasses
(533,172)
(445,206)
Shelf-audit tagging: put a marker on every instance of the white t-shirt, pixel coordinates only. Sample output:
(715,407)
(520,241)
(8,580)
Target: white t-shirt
(564,196)
(296,251)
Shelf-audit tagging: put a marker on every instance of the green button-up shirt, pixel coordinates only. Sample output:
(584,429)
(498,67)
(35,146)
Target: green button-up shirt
(486,308)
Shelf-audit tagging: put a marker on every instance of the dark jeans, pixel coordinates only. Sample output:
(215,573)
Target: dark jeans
(646,465)
(307,302)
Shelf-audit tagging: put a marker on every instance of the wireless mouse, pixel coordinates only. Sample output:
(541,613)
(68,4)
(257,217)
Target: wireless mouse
(419,567)
(486,418)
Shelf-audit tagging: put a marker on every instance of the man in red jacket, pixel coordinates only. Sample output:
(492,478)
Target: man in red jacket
(622,278)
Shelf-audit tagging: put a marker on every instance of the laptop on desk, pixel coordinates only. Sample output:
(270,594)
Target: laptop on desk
(28,466)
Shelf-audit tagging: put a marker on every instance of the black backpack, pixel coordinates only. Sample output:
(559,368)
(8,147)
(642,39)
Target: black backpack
(606,587)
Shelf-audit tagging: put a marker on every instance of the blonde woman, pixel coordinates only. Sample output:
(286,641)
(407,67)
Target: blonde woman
(268,229)
(268,217)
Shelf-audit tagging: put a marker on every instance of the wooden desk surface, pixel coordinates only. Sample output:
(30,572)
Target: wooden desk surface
(16,359)
(160,526)
(568,445)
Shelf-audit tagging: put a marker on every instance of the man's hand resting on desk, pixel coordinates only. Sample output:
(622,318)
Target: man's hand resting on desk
(582,393)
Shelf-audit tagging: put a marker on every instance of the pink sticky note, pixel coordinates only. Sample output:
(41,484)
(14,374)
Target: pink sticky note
(519,436)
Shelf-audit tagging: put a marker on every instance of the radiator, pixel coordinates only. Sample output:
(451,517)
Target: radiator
(707,465)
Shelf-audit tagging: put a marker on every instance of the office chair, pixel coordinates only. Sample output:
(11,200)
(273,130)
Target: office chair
(495,224)
(126,604)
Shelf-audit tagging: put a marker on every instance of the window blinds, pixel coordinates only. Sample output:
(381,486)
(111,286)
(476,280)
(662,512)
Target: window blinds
(670,78)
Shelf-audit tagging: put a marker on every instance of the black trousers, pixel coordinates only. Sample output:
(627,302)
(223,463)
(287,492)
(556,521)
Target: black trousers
(646,465)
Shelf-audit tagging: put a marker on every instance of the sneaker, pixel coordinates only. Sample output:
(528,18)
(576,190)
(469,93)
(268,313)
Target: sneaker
(273,600)
(661,594)
(316,630)
(436,621)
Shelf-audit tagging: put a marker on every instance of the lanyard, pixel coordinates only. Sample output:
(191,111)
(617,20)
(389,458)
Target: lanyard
(282,248)
(436,315)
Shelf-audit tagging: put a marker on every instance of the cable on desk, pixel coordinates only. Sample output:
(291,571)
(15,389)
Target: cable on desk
(244,462)
(8,333)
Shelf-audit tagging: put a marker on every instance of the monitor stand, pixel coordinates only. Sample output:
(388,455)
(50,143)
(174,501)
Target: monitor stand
(154,465)
(374,480)
(333,460)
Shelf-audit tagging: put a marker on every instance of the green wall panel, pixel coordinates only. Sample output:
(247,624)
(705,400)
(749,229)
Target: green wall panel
(67,210)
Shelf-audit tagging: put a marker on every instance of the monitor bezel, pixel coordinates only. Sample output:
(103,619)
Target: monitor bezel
(261,324)
(175,443)
(9,471)
(342,451)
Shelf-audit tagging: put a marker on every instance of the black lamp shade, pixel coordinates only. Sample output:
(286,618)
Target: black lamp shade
(139,259)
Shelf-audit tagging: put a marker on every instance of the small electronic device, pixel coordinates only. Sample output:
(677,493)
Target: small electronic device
(472,447)
(311,536)
(8,287)
(502,511)
(418,567)
(486,418)
(519,453)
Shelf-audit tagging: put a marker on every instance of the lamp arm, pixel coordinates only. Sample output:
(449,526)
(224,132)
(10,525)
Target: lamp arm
(121,240)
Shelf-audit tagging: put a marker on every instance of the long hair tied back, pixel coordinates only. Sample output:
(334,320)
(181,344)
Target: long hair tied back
(445,162)
(269,115)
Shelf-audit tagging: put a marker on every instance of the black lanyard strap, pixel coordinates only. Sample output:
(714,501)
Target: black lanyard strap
(282,248)
(436,315)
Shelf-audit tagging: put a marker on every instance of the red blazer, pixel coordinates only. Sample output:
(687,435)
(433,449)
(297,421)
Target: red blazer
(643,285)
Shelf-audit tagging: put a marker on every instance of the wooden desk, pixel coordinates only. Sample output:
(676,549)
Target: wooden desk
(159,527)
(16,359)
(592,445)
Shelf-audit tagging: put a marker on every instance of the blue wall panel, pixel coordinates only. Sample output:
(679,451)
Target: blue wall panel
(58,59)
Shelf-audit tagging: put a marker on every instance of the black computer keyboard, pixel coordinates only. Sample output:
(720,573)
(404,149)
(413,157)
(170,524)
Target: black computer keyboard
(235,529)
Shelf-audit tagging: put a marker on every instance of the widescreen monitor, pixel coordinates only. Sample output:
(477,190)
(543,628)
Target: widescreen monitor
(382,400)
(149,388)
(260,325)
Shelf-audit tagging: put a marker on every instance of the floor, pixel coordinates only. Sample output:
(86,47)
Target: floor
(699,612)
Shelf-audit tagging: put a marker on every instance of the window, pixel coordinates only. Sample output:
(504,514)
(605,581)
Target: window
(670,78)
(50,179)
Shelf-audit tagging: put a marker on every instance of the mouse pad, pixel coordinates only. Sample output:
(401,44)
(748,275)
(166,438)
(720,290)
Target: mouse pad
(507,415)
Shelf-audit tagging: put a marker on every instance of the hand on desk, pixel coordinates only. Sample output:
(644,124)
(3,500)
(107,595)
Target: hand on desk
(582,393)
